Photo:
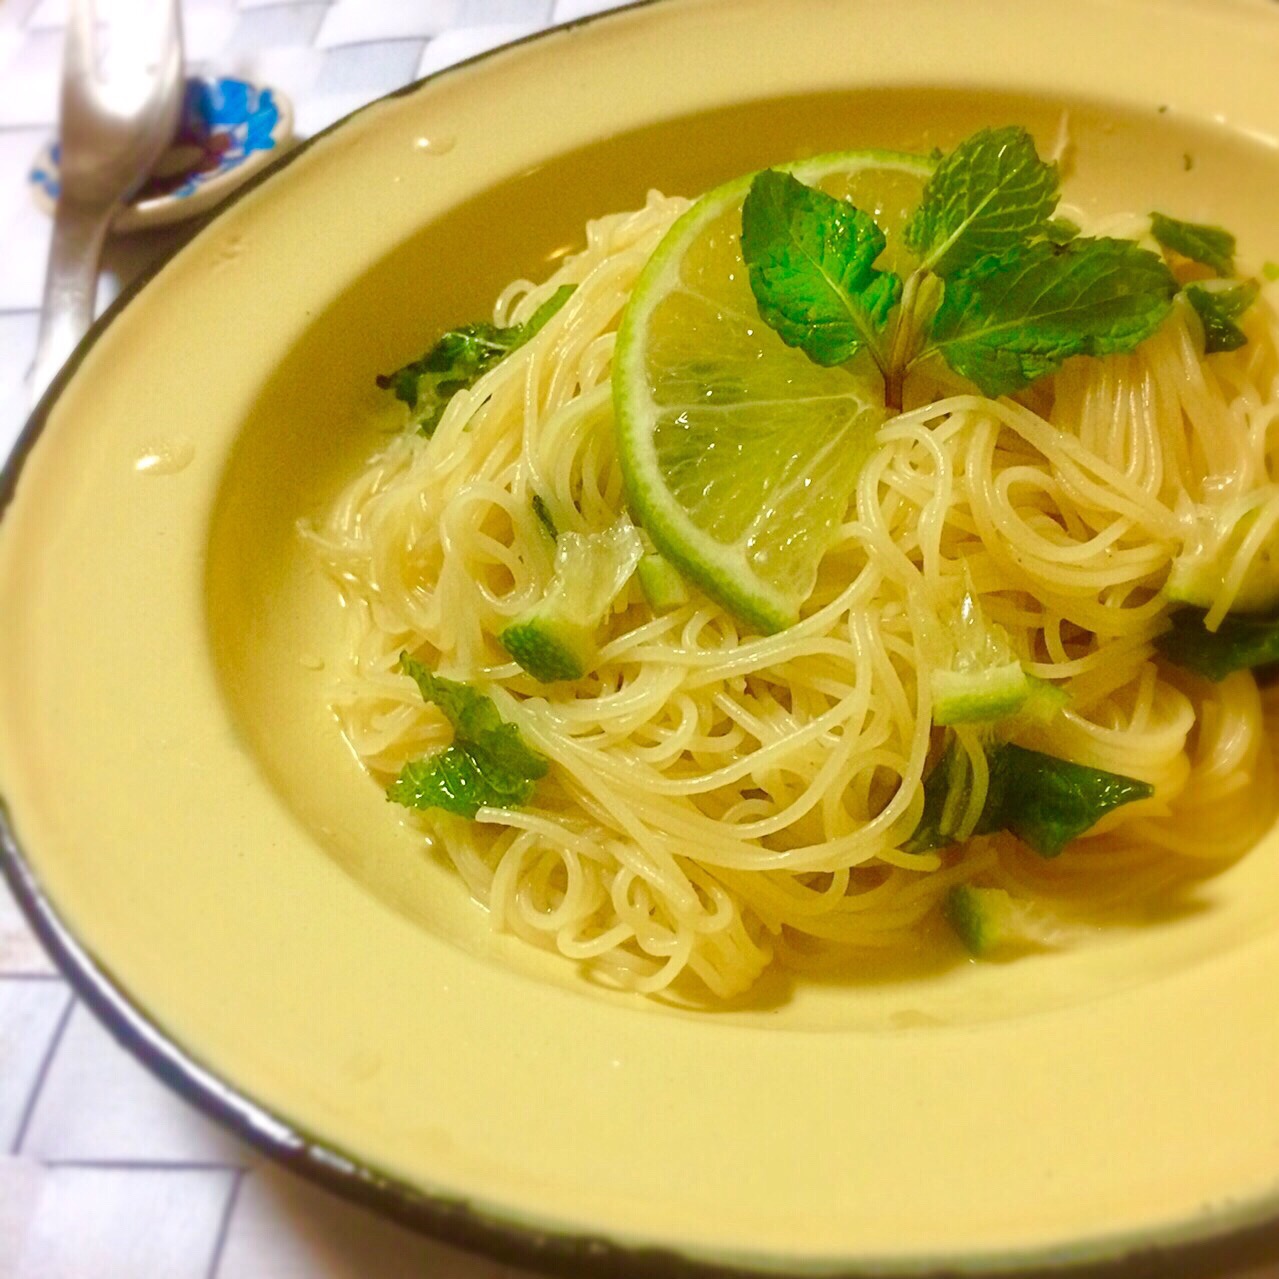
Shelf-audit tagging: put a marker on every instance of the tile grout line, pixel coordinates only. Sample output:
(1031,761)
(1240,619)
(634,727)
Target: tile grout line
(363,42)
(224,1226)
(46,1061)
(146,1165)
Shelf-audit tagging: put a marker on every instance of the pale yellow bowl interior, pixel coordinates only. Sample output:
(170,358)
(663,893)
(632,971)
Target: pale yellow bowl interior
(179,786)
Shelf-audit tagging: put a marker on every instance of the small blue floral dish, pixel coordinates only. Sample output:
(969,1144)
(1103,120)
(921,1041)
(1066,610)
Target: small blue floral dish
(230,129)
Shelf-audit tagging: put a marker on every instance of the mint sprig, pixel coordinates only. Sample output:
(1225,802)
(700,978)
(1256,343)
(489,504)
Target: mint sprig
(459,359)
(1002,292)
(990,194)
(1219,303)
(488,763)
(810,259)
(1210,246)
(1242,642)
(1015,317)
(1043,800)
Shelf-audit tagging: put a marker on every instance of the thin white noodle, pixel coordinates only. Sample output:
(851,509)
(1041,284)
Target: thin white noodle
(717,800)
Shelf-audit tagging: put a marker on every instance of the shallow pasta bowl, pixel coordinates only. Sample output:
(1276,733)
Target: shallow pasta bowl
(189,834)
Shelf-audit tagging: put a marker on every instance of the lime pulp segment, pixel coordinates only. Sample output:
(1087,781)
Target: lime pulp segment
(740,455)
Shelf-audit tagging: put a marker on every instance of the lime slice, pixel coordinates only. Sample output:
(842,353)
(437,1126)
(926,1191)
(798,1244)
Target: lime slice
(740,455)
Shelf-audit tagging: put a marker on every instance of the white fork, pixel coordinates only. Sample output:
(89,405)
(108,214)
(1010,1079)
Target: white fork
(118,114)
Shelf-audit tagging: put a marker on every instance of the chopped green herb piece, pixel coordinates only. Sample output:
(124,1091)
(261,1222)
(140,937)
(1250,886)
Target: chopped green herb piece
(459,359)
(978,916)
(1214,539)
(1218,308)
(488,763)
(975,676)
(990,194)
(1270,270)
(1045,801)
(543,513)
(1061,231)
(1045,700)
(1240,643)
(978,696)
(1013,318)
(810,258)
(550,649)
(1211,246)
(991,920)
(555,639)
(947,777)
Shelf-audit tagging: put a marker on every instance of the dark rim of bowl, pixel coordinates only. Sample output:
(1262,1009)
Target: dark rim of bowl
(454,1220)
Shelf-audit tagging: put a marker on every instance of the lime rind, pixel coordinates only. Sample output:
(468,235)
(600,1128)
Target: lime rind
(1218,534)
(549,648)
(555,639)
(819,432)
(978,696)
(661,583)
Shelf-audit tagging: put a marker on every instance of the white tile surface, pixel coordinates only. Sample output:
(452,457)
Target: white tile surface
(354,21)
(568,10)
(29,86)
(372,68)
(16,13)
(20,953)
(30,1011)
(47,14)
(11,42)
(320,110)
(98,1104)
(350,21)
(206,31)
(93,1223)
(456,46)
(25,236)
(279,26)
(284,1228)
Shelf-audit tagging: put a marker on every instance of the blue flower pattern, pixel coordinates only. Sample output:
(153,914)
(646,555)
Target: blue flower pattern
(226,119)
(243,114)
(45,179)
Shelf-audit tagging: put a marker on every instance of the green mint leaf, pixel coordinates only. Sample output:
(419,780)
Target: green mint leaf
(1218,309)
(1045,801)
(458,779)
(538,320)
(459,359)
(929,834)
(1060,230)
(810,259)
(990,193)
(1211,246)
(1240,643)
(488,763)
(543,513)
(1012,318)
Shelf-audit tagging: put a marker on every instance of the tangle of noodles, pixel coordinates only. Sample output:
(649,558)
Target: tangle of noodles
(717,799)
